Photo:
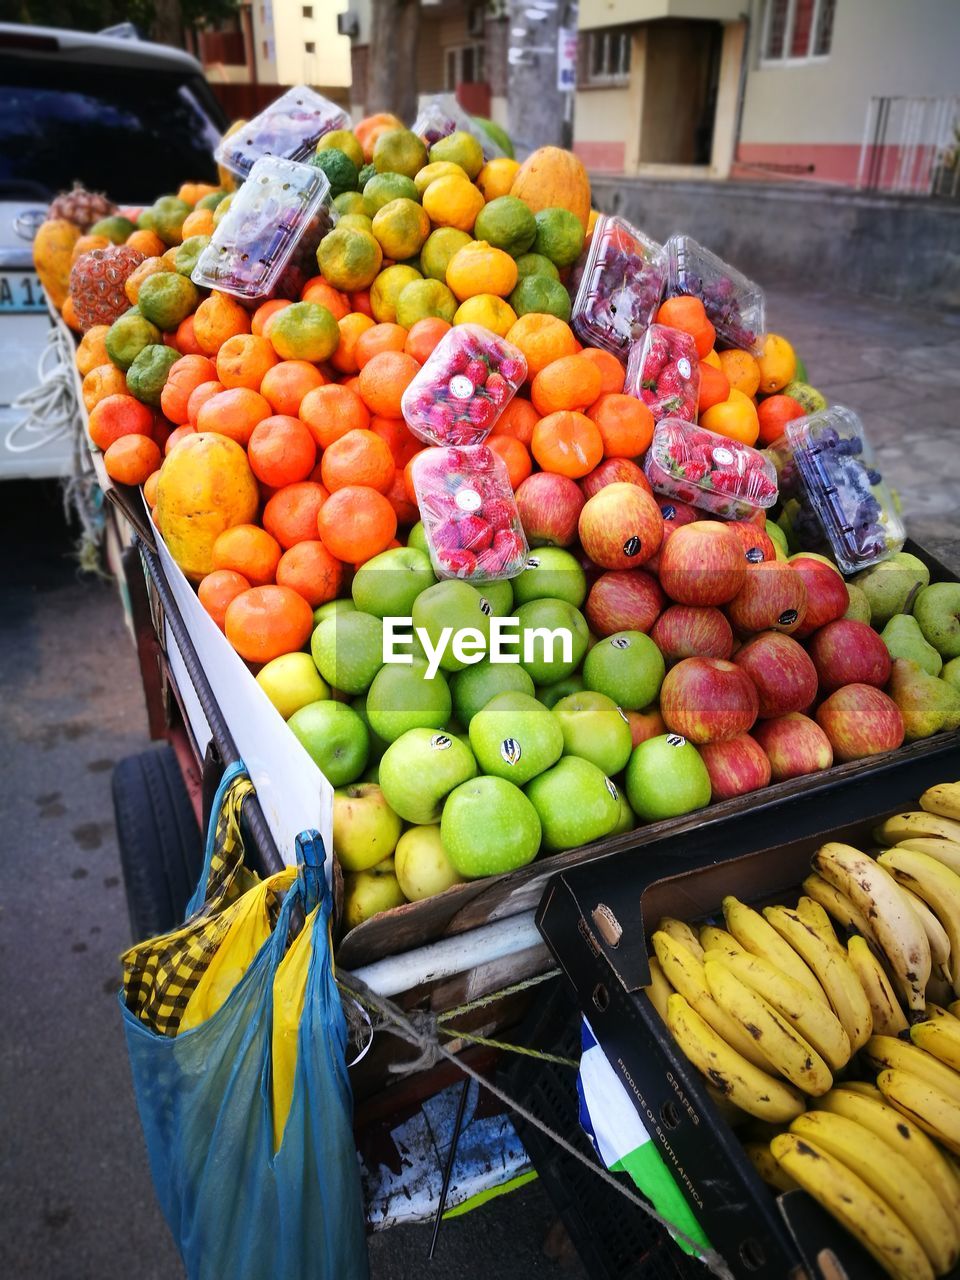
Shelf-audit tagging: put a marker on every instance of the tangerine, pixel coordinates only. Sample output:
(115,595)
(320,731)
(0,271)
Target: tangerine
(116,416)
(496,177)
(310,570)
(215,320)
(281,451)
(325,295)
(379,337)
(249,550)
(567,443)
(233,412)
(175,437)
(92,351)
(183,378)
(387,288)
(488,310)
(384,379)
(352,326)
(132,458)
(568,383)
(453,202)
(356,523)
(267,622)
(105,380)
(625,425)
(736,418)
(612,372)
(358,458)
(290,515)
(518,420)
(407,512)
(741,371)
(514,456)
(286,384)
(542,339)
(714,386)
(773,414)
(331,411)
(217,589)
(399,439)
(480,268)
(185,338)
(303,331)
(423,337)
(244,360)
(198,398)
(150,486)
(689,314)
(263,313)
(400,227)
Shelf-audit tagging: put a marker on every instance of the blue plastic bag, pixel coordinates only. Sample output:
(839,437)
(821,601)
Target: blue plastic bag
(238,1211)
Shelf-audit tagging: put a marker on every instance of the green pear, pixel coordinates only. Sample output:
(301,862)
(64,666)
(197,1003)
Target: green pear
(892,586)
(859,607)
(904,639)
(937,609)
(951,672)
(808,397)
(928,705)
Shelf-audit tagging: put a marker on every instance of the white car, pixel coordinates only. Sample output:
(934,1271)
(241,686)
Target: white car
(118,115)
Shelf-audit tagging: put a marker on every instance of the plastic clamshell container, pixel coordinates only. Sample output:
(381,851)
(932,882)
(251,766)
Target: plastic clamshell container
(709,471)
(833,491)
(664,372)
(290,127)
(735,306)
(267,242)
(616,286)
(469,514)
(464,387)
(442,115)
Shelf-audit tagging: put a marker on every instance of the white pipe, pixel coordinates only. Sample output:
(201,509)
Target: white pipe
(449,956)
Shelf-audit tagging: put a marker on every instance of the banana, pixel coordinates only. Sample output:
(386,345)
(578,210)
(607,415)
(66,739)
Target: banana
(811,913)
(943,799)
(945,851)
(734,1117)
(685,974)
(938,886)
(888,1017)
(847,1197)
(887,1053)
(836,903)
(955,1008)
(935,1011)
(894,925)
(863,1087)
(917,824)
(682,933)
(752,1090)
(891,1176)
(787,1051)
(659,989)
(757,936)
(924,1104)
(815,1022)
(833,969)
(714,939)
(939,990)
(936,934)
(760,1156)
(871,1110)
(941,1037)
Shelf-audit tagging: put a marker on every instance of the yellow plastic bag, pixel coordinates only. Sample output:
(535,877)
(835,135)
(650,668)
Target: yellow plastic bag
(289,987)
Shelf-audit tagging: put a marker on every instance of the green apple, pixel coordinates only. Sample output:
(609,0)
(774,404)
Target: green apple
(666,777)
(365,828)
(417,538)
(335,738)
(419,769)
(401,698)
(331,608)
(348,650)
(550,694)
(628,819)
(452,606)
(543,657)
(550,573)
(576,803)
(499,596)
(367,893)
(377,745)
(423,868)
(628,667)
(473,687)
(776,536)
(595,729)
(515,737)
(291,682)
(388,584)
(488,827)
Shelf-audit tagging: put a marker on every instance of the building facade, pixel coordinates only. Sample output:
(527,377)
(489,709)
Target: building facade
(279,42)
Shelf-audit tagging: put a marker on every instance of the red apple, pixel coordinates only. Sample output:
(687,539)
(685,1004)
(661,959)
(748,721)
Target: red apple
(757,543)
(702,564)
(773,598)
(614,471)
(736,767)
(624,600)
(708,700)
(620,527)
(782,670)
(795,745)
(827,596)
(691,631)
(675,515)
(860,720)
(645,724)
(549,507)
(849,652)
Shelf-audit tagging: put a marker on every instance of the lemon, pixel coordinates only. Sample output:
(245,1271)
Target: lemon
(463,149)
(386,289)
(480,268)
(488,310)
(401,227)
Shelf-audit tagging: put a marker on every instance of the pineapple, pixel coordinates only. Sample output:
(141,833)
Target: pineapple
(96,284)
(81,207)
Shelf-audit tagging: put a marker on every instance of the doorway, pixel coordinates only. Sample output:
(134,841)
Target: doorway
(680,92)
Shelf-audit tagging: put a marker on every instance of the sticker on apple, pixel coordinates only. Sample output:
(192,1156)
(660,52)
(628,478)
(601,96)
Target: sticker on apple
(620,642)
(510,751)
(631,546)
(675,740)
(611,787)
(440,742)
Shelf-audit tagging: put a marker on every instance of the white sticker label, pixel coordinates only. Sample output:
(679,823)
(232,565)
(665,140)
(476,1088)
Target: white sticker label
(440,742)
(468,500)
(683,367)
(461,387)
(510,751)
(723,457)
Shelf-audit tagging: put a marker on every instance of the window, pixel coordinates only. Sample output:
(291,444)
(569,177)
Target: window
(307,10)
(605,56)
(464,65)
(796,31)
(310,46)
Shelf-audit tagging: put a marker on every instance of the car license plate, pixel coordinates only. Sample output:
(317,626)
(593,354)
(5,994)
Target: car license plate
(21,291)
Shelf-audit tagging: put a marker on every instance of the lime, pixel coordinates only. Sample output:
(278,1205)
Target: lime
(345,141)
(507,223)
(423,298)
(463,149)
(128,336)
(341,172)
(148,373)
(542,294)
(386,289)
(166,298)
(186,254)
(399,151)
(440,169)
(351,202)
(496,134)
(116,228)
(401,226)
(559,236)
(349,259)
(439,248)
(304,331)
(384,187)
(211,201)
(535,264)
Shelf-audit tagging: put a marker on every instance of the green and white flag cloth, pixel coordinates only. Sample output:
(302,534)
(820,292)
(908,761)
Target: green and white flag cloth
(610,1120)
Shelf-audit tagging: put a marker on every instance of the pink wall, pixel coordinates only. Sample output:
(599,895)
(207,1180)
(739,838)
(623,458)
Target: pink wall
(601,157)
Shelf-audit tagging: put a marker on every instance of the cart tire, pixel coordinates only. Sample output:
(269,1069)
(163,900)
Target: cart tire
(161,847)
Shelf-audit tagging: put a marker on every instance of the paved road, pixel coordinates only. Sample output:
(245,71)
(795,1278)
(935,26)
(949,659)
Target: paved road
(74,1185)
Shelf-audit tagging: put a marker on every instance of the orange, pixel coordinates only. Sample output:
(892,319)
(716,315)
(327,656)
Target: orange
(267,622)
(381,337)
(331,411)
(352,326)
(69,313)
(356,523)
(371,127)
(518,420)
(286,384)
(358,458)
(496,177)
(310,570)
(424,336)
(567,443)
(711,358)
(714,386)
(568,383)
(612,372)
(185,339)
(399,439)
(480,268)
(453,202)
(407,512)
(542,339)
(92,351)
(116,416)
(263,313)
(174,438)
(281,451)
(384,379)
(148,242)
(625,425)
(741,371)
(191,192)
(131,458)
(233,413)
(198,223)
(320,291)
(198,398)
(778,364)
(217,589)
(105,380)
(735,418)
(360,301)
(183,378)
(773,414)
(688,313)
(291,514)
(515,457)
(250,550)
(243,360)
(150,486)
(215,320)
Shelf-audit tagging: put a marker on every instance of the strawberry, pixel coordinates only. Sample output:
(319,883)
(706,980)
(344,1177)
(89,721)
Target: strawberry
(694,469)
(481,411)
(656,355)
(445,535)
(457,561)
(474,533)
(476,371)
(500,513)
(514,369)
(497,389)
(670,383)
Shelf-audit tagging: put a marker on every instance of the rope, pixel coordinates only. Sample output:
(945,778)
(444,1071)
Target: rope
(405,1027)
(494,997)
